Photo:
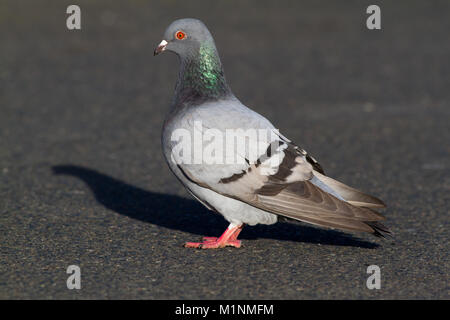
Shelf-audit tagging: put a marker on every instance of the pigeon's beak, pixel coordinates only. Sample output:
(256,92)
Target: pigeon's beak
(161,47)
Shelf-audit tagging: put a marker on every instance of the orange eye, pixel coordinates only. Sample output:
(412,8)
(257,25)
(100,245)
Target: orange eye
(180,35)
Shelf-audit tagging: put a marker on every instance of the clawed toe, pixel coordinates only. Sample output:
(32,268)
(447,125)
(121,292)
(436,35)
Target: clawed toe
(213,244)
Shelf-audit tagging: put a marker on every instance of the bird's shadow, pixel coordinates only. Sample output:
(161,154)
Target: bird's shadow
(186,215)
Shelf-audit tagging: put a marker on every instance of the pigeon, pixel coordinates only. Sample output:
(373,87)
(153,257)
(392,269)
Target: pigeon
(265,179)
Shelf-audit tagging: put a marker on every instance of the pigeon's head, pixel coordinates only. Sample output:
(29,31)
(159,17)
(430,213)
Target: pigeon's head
(184,37)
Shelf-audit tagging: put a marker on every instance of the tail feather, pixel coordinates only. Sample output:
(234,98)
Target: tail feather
(379,229)
(357,199)
(351,195)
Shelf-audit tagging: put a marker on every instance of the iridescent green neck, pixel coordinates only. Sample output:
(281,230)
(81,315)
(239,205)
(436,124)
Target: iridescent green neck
(201,76)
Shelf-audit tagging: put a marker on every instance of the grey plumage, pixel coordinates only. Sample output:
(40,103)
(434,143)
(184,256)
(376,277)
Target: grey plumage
(249,191)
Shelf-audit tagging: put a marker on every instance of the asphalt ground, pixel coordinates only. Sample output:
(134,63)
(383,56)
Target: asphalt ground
(83,181)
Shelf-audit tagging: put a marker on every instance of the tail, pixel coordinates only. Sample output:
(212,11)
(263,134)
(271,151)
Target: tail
(358,199)
(351,195)
(379,229)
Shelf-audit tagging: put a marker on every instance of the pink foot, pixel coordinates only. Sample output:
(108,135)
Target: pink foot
(227,239)
(211,244)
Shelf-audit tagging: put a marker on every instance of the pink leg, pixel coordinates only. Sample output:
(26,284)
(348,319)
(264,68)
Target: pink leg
(228,238)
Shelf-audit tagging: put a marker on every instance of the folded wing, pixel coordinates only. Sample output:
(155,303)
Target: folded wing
(288,182)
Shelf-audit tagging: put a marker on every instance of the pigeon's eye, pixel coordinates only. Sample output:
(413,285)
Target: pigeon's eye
(180,35)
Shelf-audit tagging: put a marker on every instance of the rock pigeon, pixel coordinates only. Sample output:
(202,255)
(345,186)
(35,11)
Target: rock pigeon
(266,177)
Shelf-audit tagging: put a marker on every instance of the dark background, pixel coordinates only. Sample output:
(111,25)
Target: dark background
(83,180)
